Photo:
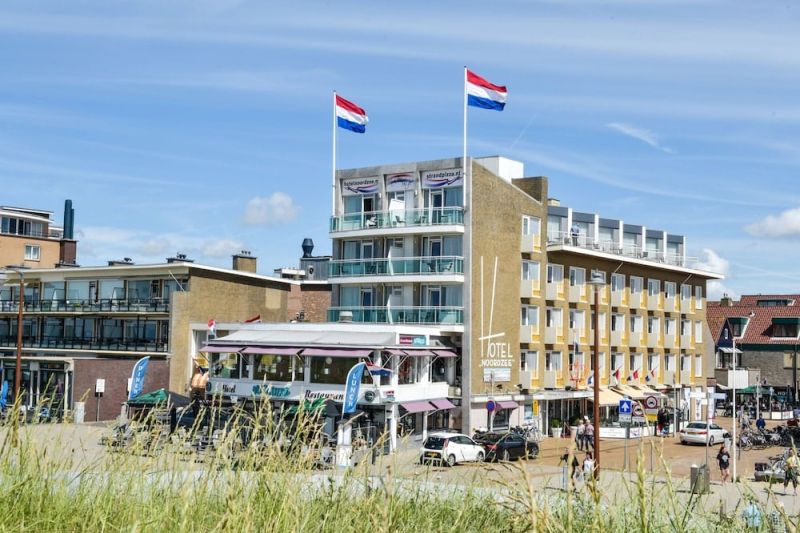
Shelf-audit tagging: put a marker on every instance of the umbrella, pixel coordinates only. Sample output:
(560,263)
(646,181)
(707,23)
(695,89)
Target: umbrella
(160,397)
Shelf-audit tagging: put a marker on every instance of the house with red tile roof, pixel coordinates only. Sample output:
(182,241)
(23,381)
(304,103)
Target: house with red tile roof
(766,328)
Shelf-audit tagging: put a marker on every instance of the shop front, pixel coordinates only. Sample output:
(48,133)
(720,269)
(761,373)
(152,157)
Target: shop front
(44,384)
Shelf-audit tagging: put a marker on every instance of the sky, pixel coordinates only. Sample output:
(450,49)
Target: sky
(204,126)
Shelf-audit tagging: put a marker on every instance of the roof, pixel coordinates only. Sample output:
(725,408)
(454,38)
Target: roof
(759,327)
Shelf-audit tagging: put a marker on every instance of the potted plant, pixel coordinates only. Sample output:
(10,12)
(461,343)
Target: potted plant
(556,428)
(573,425)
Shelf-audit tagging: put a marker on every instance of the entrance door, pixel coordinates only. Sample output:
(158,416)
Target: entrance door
(436,204)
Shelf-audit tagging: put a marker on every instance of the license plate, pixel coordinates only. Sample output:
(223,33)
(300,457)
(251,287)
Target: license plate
(431,454)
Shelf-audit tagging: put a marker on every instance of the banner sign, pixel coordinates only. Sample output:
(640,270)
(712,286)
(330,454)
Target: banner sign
(401,182)
(352,387)
(359,186)
(137,377)
(435,179)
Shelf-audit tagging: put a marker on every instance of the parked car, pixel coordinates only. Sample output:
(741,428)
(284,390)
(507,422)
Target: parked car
(508,446)
(450,449)
(702,433)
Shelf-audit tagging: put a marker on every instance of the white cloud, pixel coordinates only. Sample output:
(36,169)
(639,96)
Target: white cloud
(640,134)
(711,261)
(156,246)
(222,248)
(277,208)
(783,225)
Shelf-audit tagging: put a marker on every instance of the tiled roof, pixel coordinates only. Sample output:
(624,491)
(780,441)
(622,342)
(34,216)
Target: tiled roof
(759,327)
(752,299)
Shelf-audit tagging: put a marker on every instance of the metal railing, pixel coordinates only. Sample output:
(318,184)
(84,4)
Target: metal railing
(31,233)
(135,305)
(400,315)
(431,216)
(397,266)
(584,241)
(66,343)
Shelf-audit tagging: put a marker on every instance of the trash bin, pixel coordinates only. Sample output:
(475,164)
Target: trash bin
(699,478)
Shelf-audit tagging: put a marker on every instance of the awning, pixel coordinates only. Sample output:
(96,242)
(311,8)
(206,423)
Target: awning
(214,348)
(729,350)
(395,351)
(444,403)
(337,352)
(445,353)
(551,395)
(507,404)
(160,397)
(630,392)
(418,353)
(608,397)
(271,350)
(417,407)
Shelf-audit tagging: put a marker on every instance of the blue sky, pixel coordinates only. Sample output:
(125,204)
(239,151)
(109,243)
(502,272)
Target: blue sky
(204,126)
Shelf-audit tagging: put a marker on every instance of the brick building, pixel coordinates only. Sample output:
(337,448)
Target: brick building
(30,238)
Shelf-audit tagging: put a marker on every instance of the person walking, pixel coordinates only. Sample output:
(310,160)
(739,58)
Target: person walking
(761,424)
(588,467)
(574,463)
(724,460)
(791,472)
(588,433)
(580,433)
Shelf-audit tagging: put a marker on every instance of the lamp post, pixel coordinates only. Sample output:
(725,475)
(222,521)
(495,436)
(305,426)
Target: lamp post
(597,281)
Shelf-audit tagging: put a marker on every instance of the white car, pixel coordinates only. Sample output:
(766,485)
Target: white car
(450,449)
(701,433)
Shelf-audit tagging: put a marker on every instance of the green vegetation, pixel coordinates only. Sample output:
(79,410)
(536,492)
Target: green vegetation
(262,474)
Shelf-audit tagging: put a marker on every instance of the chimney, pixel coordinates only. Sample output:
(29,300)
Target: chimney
(308,247)
(725,301)
(179,258)
(554,202)
(244,261)
(68,246)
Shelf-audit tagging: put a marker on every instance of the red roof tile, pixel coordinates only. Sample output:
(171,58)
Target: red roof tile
(759,327)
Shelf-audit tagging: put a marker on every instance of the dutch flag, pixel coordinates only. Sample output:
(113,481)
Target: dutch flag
(349,116)
(376,370)
(484,94)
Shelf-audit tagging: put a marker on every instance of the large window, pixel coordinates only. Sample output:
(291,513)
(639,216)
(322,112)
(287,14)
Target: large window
(530,225)
(636,324)
(652,363)
(784,330)
(53,291)
(617,322)
(669,289)
(698,366)
(617,282)
(653,287)
(577,276)
(530,270)
(530,362)
(577,321)
(669,363)
(669,327)
(555,273)
(112,289)
(32,252)
(698,297)
(268,367)
(698,331)
(553,317)
(530,316)
(225,365)
(332,370)
(409,371)
(652,325)
(617,361)
(77,290)
(636,285)
(552,361)
(686,292)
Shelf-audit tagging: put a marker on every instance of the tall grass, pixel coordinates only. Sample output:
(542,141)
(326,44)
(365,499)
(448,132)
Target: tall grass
(254,479)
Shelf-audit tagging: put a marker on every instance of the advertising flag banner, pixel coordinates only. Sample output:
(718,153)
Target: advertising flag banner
(352,387)
(137,377)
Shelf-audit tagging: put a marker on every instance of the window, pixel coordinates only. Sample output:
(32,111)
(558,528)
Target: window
(669,363)
(552,361)
(577,276)
(576,365)
(617,322)
(529,316)
(555,273)
(653,287)
(553,317)
(698,365)
(669,289)
(636,324)
(616,361)
(225,365)
(530,270)
(577,322)
(333,370)
(669,326)
(698,297)
(652,363)
(635,361)
(784,330)
(652,325)
(530,225)
(685,327)
(617,282)
(685,363)
(698,331)
(636,285)
(530,362)
(277,368)
(686,293)
(32,252)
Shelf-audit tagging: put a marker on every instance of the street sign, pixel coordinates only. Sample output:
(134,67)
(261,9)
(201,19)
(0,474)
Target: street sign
(651,405)
(638,414)
(535,407)
(100,386)
(625,411)
(491,406)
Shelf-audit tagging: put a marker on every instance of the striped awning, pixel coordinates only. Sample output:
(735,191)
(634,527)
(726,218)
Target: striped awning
(417,407)
(337,352)
(215,348)
(443,403)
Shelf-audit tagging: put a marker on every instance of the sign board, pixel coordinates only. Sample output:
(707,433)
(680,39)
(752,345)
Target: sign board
(535,407)
(100,386)
(625,409)
(491,406)
(637,413)
(496,374)
(720,395)
(651,405)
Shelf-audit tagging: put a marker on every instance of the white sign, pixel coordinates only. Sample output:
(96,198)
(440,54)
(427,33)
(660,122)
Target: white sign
(435,179)
(359,186)
(720,395)
(638,414)
(651,405)
(401,182)
(100,386)
(496,374)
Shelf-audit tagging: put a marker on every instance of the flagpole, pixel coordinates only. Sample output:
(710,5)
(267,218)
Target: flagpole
(464,160)
(333,173)
(468,327)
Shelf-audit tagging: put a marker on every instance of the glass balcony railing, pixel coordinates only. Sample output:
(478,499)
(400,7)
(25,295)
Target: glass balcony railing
(400,266)
(154,305)
(433,216)
(400,315)
(65,343)
(584,241)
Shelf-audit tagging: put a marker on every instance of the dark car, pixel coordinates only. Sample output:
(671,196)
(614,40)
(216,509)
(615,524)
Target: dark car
(507,446)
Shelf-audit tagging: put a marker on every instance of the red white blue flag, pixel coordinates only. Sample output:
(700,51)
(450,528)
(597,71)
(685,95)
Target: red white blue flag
(376,370)
(349,116)
(485,94)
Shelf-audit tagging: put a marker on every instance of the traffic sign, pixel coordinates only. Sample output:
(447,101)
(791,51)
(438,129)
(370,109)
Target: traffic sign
(491,406)
(651,407)
(625,411)
(637,414)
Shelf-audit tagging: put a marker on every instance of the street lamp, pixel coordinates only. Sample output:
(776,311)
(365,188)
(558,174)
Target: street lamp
(598,280)
(18,375)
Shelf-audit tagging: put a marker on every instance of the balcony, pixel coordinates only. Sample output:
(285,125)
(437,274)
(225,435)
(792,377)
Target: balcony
(554,290)
(530,288)
(653,339)
(564,238)
(636,299)
(654,302)
(577,293)
(531,244)
(669,377)
(550,379)
(686,342)
(400,315)
(528,334)
(63,343)
(635,338)
(618,338)
(401,266)
(618,298)
(670,304)
(553,335)
(136,305)
(439,216)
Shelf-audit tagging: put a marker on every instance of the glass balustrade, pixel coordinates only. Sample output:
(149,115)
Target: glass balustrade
(398,218)
(400,315)
(397,266)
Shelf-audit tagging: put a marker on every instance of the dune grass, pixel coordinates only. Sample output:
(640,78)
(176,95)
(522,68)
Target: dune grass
(253,479)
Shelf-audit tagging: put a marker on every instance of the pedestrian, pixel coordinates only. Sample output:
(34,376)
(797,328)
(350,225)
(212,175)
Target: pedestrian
(574,463)
(588,466)
(751,515)
(745,420)
(724,459)
(575,231)
(588,434)
(791,472)
(580,433)
(761,423)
